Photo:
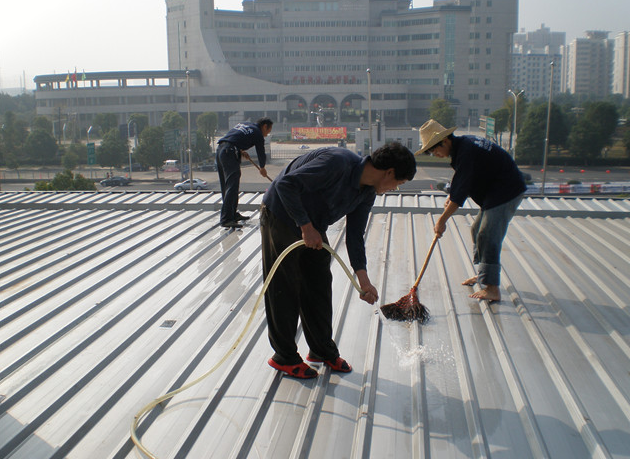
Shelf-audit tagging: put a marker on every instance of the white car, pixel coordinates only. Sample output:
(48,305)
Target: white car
(198,184)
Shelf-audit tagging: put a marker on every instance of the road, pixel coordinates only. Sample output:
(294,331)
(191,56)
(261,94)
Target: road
(427,177)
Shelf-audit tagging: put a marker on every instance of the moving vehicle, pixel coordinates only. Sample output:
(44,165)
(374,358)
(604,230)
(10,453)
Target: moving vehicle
(115,181)
(171,165)
(207,167)
(137,167)
(198,184)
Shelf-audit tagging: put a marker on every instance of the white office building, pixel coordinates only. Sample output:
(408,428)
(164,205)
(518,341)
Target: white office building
(532,55)
(587,65)
(300,61)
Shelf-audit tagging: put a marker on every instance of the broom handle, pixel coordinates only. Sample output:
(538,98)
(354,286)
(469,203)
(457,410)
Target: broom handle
(426,262)
(257,167)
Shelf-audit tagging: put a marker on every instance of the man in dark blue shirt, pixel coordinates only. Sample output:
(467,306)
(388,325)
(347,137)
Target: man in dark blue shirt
(231,147)
(311,193)
(486,173)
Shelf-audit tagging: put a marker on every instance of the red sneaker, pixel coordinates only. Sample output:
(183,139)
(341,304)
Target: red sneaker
(338,364)
(300,370)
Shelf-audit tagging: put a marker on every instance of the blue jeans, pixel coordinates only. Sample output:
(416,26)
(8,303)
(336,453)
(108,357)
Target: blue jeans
(488,231)
(229,169)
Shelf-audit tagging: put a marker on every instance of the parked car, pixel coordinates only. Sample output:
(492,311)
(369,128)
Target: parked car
(137,167)
(207,167)
(198,184)
(115,181)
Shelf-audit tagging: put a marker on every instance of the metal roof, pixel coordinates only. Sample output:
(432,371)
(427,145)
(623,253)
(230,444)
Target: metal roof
(109,300)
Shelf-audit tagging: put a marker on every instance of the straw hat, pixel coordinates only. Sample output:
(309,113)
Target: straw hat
(432,133)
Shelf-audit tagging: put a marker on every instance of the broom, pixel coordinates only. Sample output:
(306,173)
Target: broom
(258,167)
(408,308)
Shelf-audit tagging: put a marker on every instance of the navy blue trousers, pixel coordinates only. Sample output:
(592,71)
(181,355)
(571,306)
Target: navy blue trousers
(229,169)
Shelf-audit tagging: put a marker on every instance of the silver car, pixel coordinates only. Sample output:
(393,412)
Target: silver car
(198,184)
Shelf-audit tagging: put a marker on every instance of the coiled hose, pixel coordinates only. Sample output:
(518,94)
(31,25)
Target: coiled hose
(140,415)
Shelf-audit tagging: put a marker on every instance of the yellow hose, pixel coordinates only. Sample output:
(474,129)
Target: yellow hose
(140,415)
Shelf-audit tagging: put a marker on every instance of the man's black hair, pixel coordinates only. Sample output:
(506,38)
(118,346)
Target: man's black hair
(399,157)
(264,121)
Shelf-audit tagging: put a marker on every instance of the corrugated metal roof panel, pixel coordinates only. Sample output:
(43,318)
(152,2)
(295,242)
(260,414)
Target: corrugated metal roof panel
(106,304)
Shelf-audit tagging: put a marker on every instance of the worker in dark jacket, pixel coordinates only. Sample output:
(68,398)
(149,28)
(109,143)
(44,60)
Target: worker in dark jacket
(486,173)
(231,148)
(311,193)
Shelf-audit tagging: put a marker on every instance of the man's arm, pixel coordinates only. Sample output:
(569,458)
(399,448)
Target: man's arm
(262,170)
(450,207)
(370,294)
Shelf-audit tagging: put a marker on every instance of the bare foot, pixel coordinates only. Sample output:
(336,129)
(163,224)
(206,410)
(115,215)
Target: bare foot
(471,281)
(490,293)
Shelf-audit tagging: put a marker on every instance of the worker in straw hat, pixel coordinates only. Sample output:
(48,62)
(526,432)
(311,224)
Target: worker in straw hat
(486,173)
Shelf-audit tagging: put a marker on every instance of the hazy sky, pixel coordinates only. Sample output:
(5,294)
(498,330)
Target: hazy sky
(42,37)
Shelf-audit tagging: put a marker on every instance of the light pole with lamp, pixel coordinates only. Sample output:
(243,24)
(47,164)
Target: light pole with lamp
(190,171)
(547,131)
(369,81)
(87,145)
(128,131)
(515,96)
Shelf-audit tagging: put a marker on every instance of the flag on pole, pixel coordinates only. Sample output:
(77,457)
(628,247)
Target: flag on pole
(74,75)
(68,76)
(83,77)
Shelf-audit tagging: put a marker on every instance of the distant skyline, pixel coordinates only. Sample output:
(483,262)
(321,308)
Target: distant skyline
(40,37)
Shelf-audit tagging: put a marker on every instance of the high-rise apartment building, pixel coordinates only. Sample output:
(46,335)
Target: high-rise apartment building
(302,62)
(621,71)
(318,52)
(532,55)
(587,65)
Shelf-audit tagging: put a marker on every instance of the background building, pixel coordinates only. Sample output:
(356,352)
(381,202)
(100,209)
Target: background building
(587,65)
(621,72)
(294,60)
(532,54)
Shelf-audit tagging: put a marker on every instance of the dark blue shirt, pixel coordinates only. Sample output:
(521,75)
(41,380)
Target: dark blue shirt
(245,136)
(484,172)
(321,187)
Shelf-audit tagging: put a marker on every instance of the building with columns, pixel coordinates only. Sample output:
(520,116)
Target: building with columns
(299,60)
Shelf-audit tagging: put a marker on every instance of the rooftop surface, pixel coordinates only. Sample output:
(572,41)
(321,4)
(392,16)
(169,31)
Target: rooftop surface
(110,300)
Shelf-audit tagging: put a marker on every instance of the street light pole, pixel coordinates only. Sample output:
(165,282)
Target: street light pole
(190,171)
(128,130)
(515,96)
(369,77)
(547,132)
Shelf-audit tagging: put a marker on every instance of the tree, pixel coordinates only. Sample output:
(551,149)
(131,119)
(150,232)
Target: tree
(13,134)
(40,147)
(626,141)
(106,121)
(442,112)
(593,131)
(150,149)
(207,123)
(141,121)
(12,163)
(531,140)
(22,105)
(113,149)
(43,123)
(201,150)
(172,120)
(69,160)
(501,117)
(66,181)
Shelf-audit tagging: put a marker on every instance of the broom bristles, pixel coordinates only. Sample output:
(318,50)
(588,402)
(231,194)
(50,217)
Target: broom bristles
(407,309)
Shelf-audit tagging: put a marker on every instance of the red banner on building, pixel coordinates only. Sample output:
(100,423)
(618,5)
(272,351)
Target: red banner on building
(314,133)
